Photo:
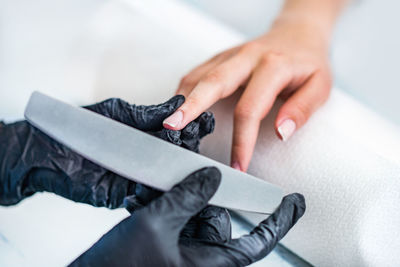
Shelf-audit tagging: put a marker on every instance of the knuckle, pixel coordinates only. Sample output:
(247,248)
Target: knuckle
(326,82)
(304,111)
(213,77)
(215,80)
(192,101)
(186,81)
(245,112)
(278,63)
(273,58)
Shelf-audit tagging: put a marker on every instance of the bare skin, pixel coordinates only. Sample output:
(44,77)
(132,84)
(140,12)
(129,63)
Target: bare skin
(290,61)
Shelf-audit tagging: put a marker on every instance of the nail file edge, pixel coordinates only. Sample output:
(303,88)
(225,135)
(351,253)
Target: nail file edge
(108,147)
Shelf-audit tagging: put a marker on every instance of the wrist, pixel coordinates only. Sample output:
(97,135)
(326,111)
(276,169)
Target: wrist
(306,28)
(315,15)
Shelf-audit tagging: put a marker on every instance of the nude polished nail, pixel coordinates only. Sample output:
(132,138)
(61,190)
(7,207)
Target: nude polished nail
(174,120)
(286,129)
(236,165)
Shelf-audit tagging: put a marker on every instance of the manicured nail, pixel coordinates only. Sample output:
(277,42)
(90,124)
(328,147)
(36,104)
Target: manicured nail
(236,166)
(175,119)
(286,129)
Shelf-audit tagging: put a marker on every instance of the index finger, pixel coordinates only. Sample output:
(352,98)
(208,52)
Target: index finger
(218,83)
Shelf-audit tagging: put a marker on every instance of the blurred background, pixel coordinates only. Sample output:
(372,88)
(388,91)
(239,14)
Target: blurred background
(38,38)
(365,48)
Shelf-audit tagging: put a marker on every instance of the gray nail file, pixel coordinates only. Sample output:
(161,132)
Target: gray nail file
(143,158)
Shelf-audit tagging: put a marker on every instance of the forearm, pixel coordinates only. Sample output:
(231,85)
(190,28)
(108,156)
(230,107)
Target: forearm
(320,14)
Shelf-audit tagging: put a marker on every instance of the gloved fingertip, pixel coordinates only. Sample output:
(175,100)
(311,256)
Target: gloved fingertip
(206,180)
(176,101)
(213,179)
(212,176)
(206,123)
(297,201)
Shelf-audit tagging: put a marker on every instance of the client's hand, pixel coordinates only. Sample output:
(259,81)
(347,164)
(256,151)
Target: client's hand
(177,229)
(290,61)
(30,161)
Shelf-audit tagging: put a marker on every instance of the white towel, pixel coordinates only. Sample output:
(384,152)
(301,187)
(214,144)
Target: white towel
(346,162)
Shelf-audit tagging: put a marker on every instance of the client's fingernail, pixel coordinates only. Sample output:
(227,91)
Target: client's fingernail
(236,165)
(286,129)
(174,120)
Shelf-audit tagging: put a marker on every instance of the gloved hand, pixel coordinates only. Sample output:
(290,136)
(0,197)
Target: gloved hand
(30,161)
(150,119)
(164,234)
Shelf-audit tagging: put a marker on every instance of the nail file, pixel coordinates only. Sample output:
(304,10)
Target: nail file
(143,158)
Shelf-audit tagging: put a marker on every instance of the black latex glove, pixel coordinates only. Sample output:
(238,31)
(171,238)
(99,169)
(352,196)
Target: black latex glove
(160,235)
(30,161)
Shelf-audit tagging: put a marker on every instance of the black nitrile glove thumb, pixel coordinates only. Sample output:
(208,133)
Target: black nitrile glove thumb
(145,118)
(176,230)
(150,118)
(30,161)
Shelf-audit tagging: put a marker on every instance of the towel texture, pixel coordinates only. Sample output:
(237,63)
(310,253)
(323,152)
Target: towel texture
(344,161)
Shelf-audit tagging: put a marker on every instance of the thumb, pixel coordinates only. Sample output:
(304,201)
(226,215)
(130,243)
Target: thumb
(185,199)
(145,118)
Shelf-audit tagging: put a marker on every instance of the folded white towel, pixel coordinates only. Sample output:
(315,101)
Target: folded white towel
(346,161)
